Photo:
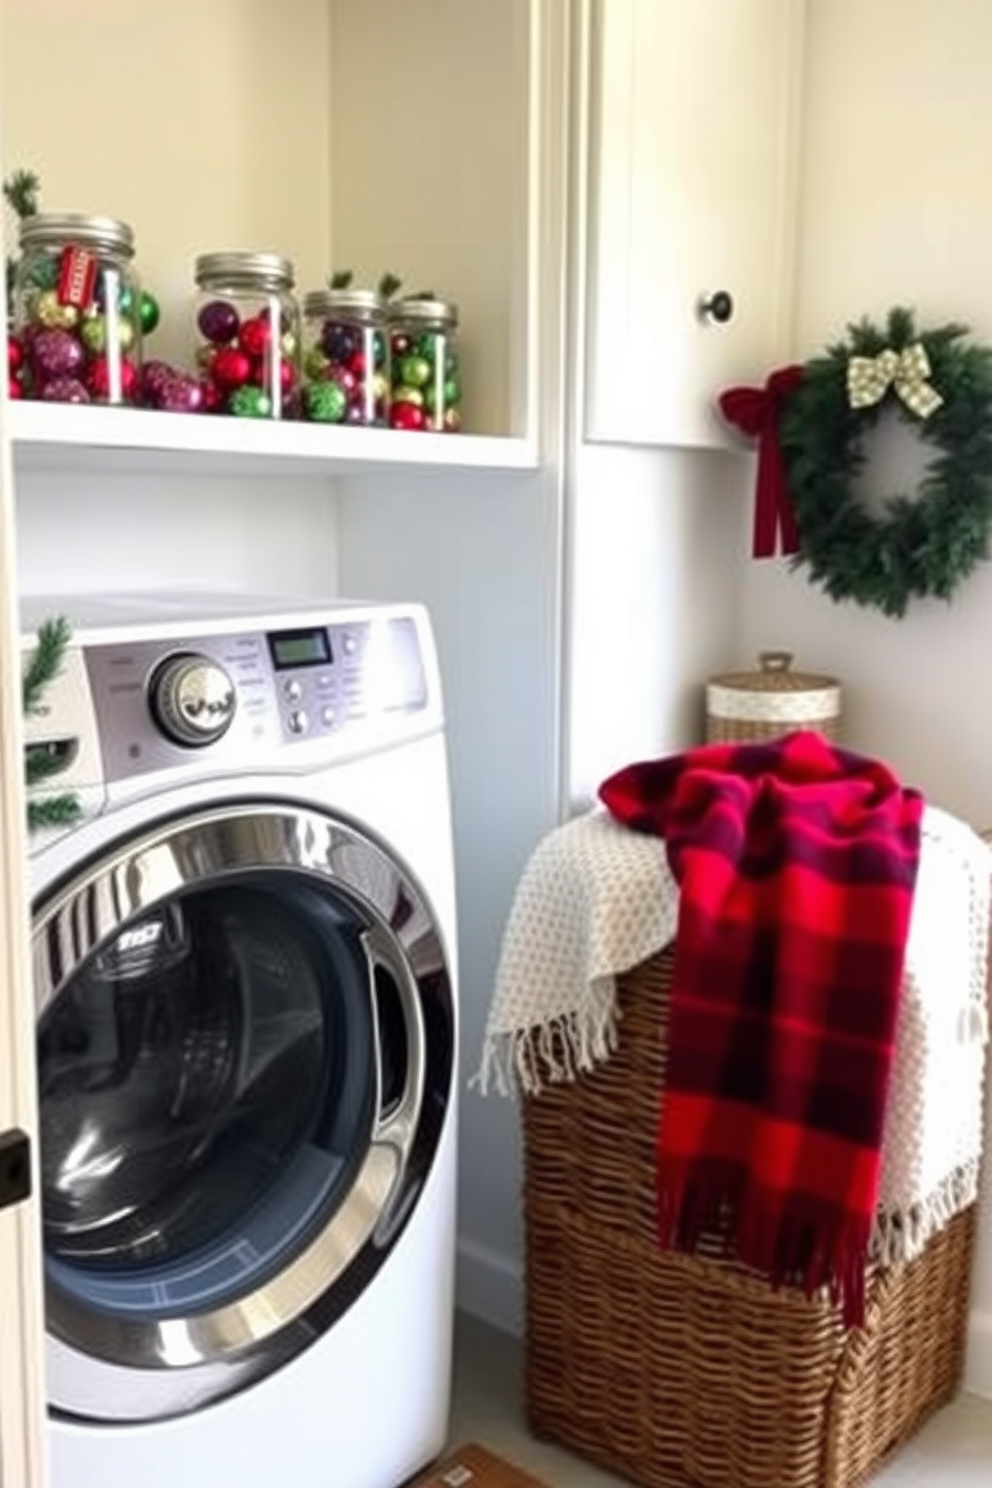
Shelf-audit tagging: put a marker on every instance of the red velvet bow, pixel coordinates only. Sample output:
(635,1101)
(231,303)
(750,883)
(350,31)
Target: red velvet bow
(756,411)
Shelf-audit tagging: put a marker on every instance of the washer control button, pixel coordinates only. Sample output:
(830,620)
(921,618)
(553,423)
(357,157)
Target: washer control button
(298,721)
(328,716)
(350,645)
(293,691)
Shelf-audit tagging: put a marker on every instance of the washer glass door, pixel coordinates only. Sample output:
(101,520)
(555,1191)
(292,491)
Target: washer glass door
(237,1091)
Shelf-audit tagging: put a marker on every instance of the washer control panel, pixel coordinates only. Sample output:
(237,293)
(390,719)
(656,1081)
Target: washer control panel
(237,695)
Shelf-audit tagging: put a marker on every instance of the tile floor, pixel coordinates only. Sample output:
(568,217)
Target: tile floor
(953,1451)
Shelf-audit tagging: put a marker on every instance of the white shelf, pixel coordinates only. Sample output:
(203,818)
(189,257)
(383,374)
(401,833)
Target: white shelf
(69,438)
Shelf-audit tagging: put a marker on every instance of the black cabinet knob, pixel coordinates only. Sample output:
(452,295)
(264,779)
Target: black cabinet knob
(717,307)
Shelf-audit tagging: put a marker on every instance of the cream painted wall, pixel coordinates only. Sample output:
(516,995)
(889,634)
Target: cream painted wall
(454,216)
(897,209)
(219,105)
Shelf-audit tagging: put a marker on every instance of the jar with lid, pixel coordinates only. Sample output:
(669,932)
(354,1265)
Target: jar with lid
(77,309)
(346,357)
(248,323)
(427,388)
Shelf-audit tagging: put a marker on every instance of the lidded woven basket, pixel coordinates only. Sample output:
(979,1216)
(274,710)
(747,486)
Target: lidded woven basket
(750,707)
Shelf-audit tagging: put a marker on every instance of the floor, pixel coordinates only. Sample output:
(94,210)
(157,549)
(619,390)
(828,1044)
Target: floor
(953,1451)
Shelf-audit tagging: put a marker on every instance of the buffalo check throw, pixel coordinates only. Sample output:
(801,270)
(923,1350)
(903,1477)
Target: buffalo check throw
(796,863)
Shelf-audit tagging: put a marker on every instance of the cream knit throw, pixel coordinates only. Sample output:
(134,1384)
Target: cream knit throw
(596,899)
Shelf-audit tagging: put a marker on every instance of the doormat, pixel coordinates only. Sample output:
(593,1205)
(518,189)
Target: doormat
(475,1467)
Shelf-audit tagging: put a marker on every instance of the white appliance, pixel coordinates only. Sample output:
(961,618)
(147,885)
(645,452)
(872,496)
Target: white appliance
(245,985)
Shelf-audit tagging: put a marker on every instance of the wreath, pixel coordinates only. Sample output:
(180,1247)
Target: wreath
(812,422)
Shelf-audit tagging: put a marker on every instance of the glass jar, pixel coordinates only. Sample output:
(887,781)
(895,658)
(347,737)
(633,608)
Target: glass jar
(77,309)
(427,388)
(346,357)
(248,324)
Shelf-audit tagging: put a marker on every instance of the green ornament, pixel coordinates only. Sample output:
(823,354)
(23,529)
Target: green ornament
(250,402)
(93,334)
(149,313)
(44,274)
(125,300)
(326,402)
(315,364)
(415,371)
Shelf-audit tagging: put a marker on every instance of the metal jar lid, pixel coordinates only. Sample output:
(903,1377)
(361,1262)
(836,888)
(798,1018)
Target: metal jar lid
(442,313)
(365,304)
(55,229)
(250,271)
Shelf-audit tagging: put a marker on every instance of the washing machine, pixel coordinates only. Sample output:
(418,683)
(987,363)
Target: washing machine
(244,971)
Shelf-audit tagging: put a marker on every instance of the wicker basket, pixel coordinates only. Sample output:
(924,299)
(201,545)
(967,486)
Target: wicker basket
(691,1371)
(749,707)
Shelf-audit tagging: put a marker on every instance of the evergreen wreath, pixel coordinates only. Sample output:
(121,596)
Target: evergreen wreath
(924,544)
(40,763)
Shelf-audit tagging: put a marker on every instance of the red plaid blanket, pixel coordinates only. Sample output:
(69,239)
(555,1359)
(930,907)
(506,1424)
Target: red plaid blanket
(796,864)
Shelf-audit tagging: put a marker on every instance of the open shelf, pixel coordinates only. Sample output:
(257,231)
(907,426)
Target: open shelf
(69,438)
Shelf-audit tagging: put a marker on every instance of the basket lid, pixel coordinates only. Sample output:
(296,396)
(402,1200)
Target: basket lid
(775,674)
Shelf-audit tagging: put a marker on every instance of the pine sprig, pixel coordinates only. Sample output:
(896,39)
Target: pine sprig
(20,192)
(388,287)
(41,763)
(46,659)
(53,811)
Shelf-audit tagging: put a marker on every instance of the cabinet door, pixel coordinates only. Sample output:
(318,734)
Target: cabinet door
(21,1326)
(692,151)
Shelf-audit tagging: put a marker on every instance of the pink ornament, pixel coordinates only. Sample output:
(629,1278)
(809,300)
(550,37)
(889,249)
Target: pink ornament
(65,390)
(56,354)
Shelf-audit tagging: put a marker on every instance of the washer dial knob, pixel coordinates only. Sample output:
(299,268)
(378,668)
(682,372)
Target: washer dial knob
(193,699)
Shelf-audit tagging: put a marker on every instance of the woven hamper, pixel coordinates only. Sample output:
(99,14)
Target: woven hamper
(689,1371)
(750,707)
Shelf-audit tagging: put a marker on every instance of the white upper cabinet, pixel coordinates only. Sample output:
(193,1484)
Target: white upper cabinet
(693,141)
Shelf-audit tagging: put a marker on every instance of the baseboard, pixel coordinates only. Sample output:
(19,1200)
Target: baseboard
(490,1286)
(978,1370)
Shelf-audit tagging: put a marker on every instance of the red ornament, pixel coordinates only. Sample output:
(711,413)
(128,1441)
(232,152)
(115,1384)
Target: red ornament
(212,399)
(346,380)
(357,363)
(287,375)
(230,368)
(14,389)
(255,336)
(98,379)
(15,354)
(400,345)
(406,416)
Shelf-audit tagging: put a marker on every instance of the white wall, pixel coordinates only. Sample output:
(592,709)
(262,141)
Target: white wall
(482,551)
(897,209)
(656,543)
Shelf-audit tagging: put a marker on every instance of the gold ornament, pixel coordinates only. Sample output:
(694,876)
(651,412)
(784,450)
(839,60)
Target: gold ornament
(870,377)
(52,314)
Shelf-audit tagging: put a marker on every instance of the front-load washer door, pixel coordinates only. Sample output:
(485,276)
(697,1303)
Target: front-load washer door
(245,1059)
